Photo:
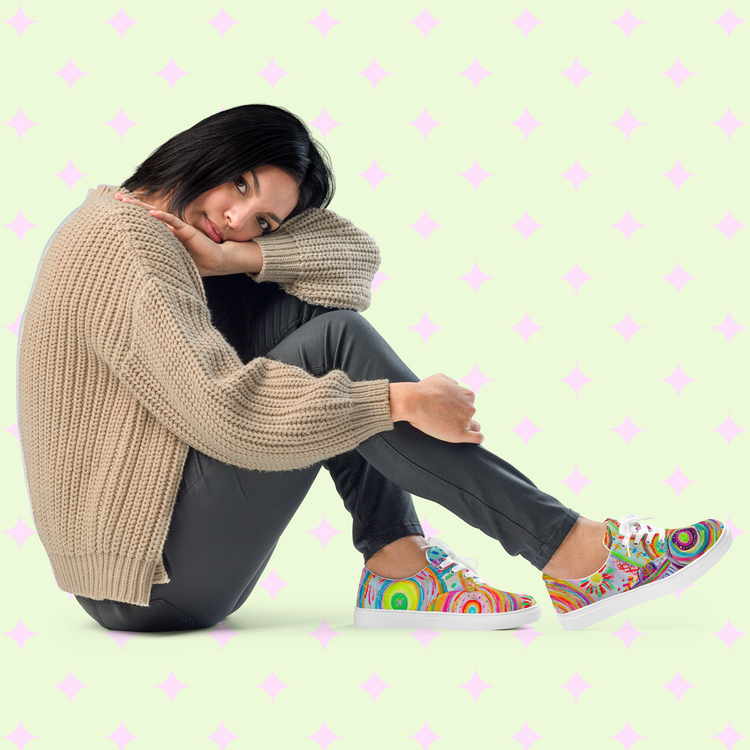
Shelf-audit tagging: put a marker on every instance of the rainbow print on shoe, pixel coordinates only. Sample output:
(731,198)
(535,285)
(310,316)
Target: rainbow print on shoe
(644,563)
(447,594)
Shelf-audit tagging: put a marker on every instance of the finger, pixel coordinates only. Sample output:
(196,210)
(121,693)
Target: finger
(170,219)
(474,426)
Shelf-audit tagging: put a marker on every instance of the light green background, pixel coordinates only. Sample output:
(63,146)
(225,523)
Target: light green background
(525,378)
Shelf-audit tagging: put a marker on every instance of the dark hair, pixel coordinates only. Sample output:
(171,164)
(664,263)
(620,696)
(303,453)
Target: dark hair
(228,144)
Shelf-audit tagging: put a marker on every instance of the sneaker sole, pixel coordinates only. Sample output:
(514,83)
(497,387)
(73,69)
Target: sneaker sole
(593,613)
(389,618)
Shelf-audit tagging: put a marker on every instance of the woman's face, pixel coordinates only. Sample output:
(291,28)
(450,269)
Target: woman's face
(245,208)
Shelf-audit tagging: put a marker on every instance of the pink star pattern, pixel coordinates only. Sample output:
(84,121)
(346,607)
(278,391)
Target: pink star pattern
(627,634)
(526,22)
(425,636)
(222,736)
(729,430)
(475,278)
(424,123)
(627,123)
(70,686)
(425,736)
(324,122)
(475,73)
(729,123)
(20,21)
(324,532)
(70,73)
(576,685)
(121,737)
(272,584)
(425,328)
(425,22)
(373,73)
(526,226)
(729,327)
(324,634)
(576,277)
(576,72)
(425,226)
(728,736)
(19,736)
(729,634)
(121,637)
(121,123)
(678,277)
(222,634)
(626,429)
(729,225)
(576,174)
(475,379)
(20,532)
(678,174)
(222,22)
(576,379)
(272,73)
(171,73)
(475,175)
(324,736)
(576,481)
(735,531)
(526,634)
(627,736)
(20,634)
(678,73)
(627,327)
(272,685)
(677,686)
(678,481)
(526,736)
(324,22)
(729,22)
(475,685)
(374,686)
(627,22)
(527,327)
(429,530)
(627,225)
(20,123)
(374,175)
(121,22)
(171,686)
(526,123)
(378,279)
(70,175)
(525,429)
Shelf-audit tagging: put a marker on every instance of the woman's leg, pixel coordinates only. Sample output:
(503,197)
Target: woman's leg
(479,487)
(224,529)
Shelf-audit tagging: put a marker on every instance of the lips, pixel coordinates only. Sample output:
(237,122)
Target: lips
(212,232)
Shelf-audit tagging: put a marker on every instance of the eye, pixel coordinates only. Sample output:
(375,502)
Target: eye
(262,222)
(241,181)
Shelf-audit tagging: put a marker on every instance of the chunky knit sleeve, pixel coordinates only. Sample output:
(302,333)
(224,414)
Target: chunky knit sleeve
(265,415)
(321,258)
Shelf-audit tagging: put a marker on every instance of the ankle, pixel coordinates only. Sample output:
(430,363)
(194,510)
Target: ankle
(581,553)
(403,558)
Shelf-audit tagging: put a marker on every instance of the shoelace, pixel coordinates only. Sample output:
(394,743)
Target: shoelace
(454,561)
(631,525)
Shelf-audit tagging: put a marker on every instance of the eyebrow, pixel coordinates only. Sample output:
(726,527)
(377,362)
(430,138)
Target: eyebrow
(257,192)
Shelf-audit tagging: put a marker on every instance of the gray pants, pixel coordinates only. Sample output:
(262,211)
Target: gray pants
(227,520)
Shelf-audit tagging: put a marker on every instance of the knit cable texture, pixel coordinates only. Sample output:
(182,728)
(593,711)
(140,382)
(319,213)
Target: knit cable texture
(121,371)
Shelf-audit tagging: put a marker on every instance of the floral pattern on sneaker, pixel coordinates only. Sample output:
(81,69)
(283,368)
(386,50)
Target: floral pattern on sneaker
(638,555)
(447,584)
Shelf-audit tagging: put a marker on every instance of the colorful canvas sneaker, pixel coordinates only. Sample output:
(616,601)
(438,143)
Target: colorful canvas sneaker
(448,594)
(644,563)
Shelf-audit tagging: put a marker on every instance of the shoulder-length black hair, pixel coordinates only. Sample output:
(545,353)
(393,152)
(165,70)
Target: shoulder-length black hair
(228,144)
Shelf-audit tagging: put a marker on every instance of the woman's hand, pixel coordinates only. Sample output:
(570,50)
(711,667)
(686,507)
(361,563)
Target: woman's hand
(209,257)
(438,406)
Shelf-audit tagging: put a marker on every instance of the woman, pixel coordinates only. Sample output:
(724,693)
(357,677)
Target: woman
(191,355)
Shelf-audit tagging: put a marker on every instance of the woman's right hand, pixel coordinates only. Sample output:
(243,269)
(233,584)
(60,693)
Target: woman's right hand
(438,406)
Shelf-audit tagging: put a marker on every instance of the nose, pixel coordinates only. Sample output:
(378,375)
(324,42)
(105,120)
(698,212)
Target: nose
(237,215)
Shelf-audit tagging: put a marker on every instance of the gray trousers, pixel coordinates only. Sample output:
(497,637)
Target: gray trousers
(227,520)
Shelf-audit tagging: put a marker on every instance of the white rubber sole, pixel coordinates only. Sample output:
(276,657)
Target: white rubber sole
(394,618)
(613,605)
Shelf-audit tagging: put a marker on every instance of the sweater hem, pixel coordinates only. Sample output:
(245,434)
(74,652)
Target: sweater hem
(105,576)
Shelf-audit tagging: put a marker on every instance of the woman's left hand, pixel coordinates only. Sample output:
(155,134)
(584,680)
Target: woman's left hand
(209,257)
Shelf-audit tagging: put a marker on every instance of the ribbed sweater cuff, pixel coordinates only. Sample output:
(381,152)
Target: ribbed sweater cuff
(105,576)
(372,412)
(281,259)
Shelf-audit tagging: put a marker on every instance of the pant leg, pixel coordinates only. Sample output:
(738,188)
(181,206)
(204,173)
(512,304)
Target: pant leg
(479,487)
(227,520)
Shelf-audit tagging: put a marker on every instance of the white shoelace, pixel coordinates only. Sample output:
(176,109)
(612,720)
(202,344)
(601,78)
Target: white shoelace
(455,562)
(632,525)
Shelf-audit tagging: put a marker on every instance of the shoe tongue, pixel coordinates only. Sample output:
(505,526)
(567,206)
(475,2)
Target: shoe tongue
(436,553)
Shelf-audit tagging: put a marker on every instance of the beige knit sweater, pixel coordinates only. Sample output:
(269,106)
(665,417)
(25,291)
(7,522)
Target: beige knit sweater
(120,371)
